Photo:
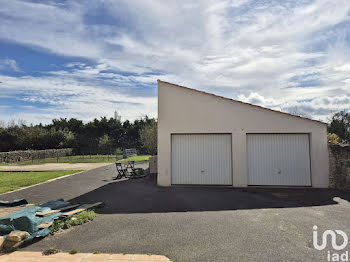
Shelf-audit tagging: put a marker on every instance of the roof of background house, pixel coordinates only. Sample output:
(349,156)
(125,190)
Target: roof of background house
(233,100)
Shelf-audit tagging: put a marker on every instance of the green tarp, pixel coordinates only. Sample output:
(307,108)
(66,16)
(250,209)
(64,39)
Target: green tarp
(26,219)
(14,203)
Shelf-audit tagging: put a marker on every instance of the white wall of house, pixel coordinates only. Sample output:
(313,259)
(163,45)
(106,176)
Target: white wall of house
(183,111)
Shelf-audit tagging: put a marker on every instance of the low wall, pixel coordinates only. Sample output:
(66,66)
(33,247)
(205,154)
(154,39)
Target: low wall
(16,156)
(339,167)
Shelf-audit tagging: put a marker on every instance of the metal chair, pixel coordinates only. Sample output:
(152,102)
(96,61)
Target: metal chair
(131,164)
(122,172)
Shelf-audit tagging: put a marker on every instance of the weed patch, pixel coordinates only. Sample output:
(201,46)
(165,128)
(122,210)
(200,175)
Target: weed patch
(50,251)
(73,251)
(77,220)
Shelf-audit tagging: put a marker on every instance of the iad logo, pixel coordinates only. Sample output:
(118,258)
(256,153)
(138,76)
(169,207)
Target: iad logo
(333,235)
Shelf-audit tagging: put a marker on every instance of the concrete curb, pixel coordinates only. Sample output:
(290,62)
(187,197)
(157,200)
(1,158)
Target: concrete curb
(88,257)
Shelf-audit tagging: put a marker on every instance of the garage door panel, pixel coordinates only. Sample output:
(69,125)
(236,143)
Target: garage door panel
(278,159)
(203,159)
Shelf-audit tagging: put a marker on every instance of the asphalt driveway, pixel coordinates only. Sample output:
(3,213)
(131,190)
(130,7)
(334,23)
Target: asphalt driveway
(193,223)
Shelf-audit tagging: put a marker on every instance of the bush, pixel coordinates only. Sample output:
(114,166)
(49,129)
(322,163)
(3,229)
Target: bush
(333,139)
(148,137)
(56,226)
(139,172)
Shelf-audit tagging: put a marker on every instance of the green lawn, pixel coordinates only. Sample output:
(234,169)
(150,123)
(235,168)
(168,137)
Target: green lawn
(14,180)
(80,159)
(70,159)
(136,158)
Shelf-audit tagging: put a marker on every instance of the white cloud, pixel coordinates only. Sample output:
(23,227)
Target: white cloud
(281,54)
(255,98)
(66,94)
(11,64)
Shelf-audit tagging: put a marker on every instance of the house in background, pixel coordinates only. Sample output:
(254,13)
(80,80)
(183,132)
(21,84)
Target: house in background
(204,139)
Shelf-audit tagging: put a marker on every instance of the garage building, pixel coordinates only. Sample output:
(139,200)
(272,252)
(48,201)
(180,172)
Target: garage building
(204,139)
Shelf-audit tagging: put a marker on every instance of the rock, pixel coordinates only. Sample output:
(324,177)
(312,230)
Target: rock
(12,245)
(17,236)
(2,240)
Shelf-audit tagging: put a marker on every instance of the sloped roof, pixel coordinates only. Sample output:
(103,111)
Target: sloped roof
(233,100)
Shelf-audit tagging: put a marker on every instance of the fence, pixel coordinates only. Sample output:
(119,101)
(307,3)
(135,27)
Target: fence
(18,156)
(65,155)
(130,152)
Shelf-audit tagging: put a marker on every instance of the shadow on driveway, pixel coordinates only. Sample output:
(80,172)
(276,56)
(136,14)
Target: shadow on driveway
(144,196)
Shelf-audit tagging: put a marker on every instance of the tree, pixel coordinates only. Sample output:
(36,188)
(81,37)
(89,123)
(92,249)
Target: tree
(148,137)
(69,140)
(340,125)
(99,135)
(333,139)
(104,145)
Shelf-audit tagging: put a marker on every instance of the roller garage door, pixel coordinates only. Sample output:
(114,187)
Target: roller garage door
(278,159)
(201,159)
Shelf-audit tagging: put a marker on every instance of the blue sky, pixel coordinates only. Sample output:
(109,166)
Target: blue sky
(85,59)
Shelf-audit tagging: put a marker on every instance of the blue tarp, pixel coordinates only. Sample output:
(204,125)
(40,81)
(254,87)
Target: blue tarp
(27,220)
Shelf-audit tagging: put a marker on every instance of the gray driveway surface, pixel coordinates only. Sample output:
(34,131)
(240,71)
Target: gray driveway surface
(193,223)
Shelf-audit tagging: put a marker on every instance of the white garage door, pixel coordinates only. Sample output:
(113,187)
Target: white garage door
(278,159)
(201,159)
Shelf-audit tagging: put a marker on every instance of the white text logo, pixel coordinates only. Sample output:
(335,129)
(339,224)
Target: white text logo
(333,235)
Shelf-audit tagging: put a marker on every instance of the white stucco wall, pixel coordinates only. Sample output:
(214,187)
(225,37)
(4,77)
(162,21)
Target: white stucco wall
(182,110)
